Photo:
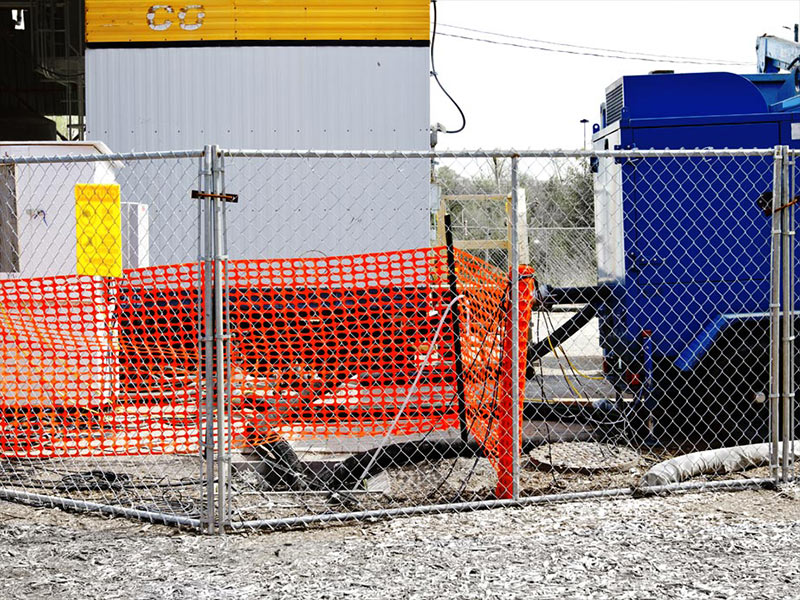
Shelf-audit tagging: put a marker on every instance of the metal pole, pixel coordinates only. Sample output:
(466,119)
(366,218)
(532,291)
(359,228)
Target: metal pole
(227,332)
(220,338)
(786,342)
(792,351)
(515,370)
(452,281)
(108,509)
(208,341)
(200,329)
(774,307)
(789,433)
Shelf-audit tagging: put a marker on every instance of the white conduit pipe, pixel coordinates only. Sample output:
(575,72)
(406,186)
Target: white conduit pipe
(712,462)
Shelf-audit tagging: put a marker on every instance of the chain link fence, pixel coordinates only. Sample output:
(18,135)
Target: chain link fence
(225,339)
(99,320)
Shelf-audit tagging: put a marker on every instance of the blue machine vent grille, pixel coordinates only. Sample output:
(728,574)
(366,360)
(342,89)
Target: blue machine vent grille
(614,103)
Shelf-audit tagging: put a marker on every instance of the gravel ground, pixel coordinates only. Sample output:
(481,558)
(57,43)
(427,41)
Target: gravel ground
(711,545)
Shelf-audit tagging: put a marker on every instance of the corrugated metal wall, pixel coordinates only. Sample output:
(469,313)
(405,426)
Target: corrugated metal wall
(277,97)
(323,97)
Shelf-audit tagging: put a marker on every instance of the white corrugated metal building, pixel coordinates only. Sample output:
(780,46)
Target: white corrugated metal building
(283,74)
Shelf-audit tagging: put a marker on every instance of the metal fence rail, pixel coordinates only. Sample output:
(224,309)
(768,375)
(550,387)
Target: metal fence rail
(236,339)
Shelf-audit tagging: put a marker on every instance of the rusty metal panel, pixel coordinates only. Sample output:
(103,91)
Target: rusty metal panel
(137,21)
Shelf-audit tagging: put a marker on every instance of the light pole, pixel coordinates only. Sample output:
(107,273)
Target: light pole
(584,122)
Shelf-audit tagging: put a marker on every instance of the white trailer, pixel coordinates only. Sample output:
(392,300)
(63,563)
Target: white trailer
(350,75)
(57,329)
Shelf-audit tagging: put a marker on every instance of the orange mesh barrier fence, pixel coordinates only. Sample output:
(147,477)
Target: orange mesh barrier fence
(331,346)
(92,366)
(55,348)
(488,359)
(319,347)
(159,316)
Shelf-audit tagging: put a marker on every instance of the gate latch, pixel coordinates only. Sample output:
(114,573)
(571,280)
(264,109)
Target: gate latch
(198,195)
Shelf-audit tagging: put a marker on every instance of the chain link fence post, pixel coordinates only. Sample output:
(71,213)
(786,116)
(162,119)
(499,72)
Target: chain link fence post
(215,410)
(208,295)
(792,351)
(221,341)
(515,366)
(775,312)
(787,341)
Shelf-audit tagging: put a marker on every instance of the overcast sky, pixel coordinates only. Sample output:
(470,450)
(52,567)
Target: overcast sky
(521,98)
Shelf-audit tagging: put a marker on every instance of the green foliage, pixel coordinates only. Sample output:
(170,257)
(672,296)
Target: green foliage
(560,213)
(564,199)
(560,195)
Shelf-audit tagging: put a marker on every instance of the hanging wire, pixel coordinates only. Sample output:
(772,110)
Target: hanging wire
(439,83)
(612,53)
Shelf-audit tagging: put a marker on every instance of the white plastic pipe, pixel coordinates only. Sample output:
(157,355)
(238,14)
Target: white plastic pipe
(711,462)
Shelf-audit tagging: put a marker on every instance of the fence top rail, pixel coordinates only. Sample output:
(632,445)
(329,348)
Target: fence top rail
(395,154)
(112,157)
(555,153)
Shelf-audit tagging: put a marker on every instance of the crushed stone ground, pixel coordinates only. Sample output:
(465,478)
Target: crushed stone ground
(709,545)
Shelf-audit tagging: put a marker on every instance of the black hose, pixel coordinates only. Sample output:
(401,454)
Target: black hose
(452,281)
(347,474)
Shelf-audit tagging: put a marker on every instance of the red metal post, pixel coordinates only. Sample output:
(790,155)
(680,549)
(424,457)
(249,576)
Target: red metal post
(505,444)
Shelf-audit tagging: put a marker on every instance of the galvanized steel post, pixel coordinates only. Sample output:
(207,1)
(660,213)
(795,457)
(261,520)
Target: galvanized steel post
(220,342)
(226,332)
(791,166)
(207,394)
(515,333)
(787,327)
(775,313)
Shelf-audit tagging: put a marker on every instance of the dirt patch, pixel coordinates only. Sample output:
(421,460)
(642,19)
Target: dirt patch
(712,545)
(583,457)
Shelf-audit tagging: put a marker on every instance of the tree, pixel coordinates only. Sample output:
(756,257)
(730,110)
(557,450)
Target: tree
(560,212)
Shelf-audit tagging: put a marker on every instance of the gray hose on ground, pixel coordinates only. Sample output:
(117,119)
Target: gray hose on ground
(708,462)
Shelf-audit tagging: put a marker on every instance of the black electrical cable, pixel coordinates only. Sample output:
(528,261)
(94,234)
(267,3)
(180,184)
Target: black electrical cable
(489,424)
(550,328)
(436,77)
(344,475)
(409,452)
(348,470)
(549,325)
(624,420)
(578,53)
(444,479)
(616,52)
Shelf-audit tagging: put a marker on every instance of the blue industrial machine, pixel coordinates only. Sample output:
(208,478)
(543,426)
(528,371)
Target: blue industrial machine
(683,244)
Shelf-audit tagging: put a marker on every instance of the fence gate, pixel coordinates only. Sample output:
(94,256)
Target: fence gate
(783,314)
(101,315)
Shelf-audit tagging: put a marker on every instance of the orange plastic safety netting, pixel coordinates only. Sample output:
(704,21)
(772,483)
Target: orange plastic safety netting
(338,346)
(332,346)
(92,366)
(487,352)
